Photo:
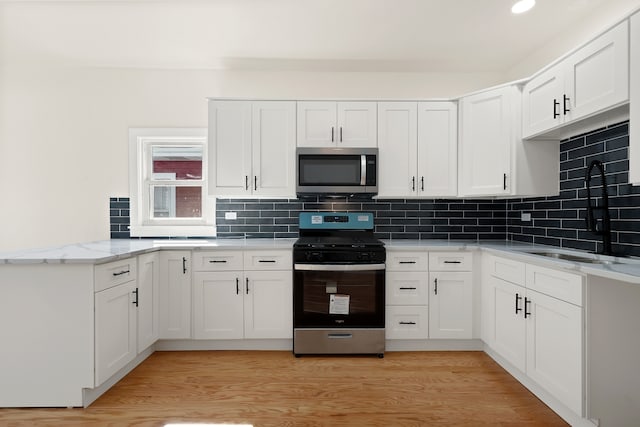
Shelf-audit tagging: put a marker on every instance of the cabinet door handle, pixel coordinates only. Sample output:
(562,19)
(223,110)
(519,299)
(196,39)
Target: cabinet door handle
(556,104)
(255,183)
(504,181)
(422,183)
(408,289)
(435,286)
(518,309)
(413,183)
(246,182)
(247,285)
(527,301)
(340,133)
(184,265)
(267,260)
(120,273)
(565,98)
(136,294)
(332,133)
(217,261)
(452,262)
(237,286)
(407,262)
(407,323)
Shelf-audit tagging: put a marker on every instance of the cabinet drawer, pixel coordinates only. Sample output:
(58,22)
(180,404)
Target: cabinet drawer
(407,322)
(506,269)
(450,261)
(217,260)
(407,261)
(558,284)
(407,288)
(114,273)
(268,260)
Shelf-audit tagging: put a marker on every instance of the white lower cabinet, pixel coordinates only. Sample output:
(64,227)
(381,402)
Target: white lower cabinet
(407,314)
(539,333)
(175,295)
(148,299)
(237,304)
(115,329)
(450,305)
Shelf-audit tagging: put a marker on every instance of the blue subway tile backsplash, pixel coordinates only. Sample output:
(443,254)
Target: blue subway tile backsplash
(557,221)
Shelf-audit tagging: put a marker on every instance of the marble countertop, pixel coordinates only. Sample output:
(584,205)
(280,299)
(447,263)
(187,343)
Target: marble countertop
(624,269)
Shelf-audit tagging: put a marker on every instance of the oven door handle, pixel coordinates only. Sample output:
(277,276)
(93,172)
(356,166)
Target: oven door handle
(339,267)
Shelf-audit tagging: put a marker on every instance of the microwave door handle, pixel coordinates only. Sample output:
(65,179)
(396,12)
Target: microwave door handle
(363,169)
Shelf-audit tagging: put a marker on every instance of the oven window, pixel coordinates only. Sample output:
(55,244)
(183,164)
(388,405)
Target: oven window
(343,170)
(326,298)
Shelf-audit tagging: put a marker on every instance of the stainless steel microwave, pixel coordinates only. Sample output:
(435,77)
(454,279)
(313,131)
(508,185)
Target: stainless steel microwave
(337,171)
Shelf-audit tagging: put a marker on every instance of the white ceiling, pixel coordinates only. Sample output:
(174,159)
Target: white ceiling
(320,35)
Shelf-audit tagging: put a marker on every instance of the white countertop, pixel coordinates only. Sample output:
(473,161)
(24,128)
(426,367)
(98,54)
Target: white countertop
(99,252)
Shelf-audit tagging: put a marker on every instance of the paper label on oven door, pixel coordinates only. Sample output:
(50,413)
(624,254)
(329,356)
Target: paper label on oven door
(316,219)
(338,304)
(363,218)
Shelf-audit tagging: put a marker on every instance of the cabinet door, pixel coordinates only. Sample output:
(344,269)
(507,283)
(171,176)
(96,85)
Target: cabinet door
(397,147)
(273,148)
(437,149)
(450,305)
(485,142)
(229,147)
(115,340)
(598,74)
(175,294)
(554,347)
(217,305)
(148,299)
(542,102)
(508,335)
(356,124)
(268,304)
(634,97)
(316,124)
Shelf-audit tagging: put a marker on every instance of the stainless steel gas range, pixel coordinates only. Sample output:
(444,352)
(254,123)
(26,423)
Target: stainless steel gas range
(338,285)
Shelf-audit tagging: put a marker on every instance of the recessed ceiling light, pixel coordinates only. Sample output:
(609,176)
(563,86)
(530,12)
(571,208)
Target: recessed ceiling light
(522,6)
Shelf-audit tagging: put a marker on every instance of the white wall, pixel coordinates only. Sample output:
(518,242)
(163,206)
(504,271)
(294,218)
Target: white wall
(63,131)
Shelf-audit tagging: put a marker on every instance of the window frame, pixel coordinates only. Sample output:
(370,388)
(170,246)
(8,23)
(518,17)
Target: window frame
(141,184)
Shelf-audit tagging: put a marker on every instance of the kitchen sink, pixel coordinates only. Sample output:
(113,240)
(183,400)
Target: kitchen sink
(575,258)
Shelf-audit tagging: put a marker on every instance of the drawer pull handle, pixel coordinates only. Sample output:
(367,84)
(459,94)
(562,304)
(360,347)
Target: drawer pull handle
(407,323)
(340,336)
(435,286)
(407,262)
(237,286)
(453,262)
(267,260)
(184,265)
(518,309)
(122,272)
(408,289)
(216,261)
(247,286)
(137,295)
(527,301)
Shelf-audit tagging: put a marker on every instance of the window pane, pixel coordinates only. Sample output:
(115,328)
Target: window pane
(177,202)
(181,163)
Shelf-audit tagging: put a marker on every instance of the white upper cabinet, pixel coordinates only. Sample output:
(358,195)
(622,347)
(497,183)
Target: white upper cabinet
(493,159)
(634,97)
(417,145)
(252,148)
(592,80)
(337,124)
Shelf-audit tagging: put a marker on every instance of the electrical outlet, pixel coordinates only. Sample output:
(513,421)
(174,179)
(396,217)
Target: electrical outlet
(525,217)
(230,215)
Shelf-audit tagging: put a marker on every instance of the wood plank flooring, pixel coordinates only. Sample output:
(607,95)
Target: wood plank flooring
(274,388)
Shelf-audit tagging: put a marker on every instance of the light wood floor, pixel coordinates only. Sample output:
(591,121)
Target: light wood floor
(277,389)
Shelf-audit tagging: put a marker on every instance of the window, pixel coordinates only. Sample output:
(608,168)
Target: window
(168,183)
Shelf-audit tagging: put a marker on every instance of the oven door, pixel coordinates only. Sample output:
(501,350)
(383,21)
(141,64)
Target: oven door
(339,295)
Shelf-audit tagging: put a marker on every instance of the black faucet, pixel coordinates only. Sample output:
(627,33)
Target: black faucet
(602,227)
